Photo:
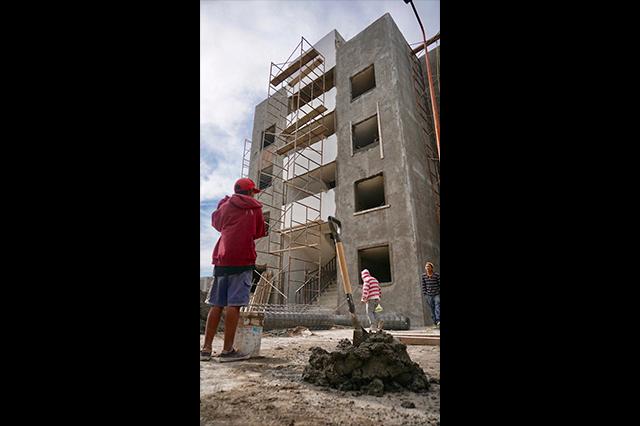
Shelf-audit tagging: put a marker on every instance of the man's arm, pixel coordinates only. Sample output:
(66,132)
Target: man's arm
(216,216)
(216,220)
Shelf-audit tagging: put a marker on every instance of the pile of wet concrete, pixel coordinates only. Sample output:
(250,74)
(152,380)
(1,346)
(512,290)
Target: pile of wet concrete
(379,364)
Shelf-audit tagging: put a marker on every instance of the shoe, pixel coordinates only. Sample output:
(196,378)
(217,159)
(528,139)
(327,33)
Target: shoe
(205,355)
(380,324)
(232,355)
(438,324)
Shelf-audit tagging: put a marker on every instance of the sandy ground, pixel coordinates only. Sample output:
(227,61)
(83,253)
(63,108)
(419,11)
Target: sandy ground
(269,390)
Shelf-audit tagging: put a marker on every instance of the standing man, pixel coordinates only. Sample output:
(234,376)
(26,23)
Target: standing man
(431,289)
(239,220)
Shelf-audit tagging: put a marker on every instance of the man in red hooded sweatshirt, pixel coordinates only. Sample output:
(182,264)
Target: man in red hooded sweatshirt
(239,220)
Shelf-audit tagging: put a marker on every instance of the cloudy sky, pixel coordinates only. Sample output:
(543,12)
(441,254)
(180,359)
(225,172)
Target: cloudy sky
(238,41)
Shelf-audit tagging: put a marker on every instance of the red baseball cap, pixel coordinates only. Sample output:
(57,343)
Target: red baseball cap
(245,184)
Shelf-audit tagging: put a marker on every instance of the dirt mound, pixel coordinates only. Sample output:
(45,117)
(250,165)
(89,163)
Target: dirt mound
(380,364)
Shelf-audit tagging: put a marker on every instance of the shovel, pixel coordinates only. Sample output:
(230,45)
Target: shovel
(359,333)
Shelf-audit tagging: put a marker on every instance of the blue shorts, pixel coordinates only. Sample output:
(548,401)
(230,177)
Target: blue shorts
(230,290)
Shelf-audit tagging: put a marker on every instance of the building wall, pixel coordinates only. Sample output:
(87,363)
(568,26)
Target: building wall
(409,224)
(416,143)
(407,219)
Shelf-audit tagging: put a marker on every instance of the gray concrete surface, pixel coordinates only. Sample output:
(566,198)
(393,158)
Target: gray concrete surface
(408,225)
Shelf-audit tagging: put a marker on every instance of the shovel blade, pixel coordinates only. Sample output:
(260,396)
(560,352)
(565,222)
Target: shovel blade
(359,335)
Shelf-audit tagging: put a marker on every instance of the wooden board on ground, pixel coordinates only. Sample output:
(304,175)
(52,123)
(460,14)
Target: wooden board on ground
(418,340)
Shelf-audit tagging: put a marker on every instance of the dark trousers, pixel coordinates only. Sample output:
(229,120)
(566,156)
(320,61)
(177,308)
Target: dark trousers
(434,304)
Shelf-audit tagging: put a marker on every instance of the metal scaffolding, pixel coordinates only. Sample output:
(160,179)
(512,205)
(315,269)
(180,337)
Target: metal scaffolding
(246,159)
(425,120)
(289,164)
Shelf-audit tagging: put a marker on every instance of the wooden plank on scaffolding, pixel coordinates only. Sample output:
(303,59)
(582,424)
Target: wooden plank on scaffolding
(306,72)
(313,114)
(312,90)
(295,66)
(310,134)
(304,246)
(304,140)
(309,224)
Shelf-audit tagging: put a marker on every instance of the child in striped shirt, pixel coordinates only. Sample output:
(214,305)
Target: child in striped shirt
(371,296)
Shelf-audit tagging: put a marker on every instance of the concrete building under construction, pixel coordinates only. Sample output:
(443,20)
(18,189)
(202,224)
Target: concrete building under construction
(346,130)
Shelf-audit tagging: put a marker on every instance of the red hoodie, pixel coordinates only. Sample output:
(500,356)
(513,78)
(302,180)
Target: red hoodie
(239,220)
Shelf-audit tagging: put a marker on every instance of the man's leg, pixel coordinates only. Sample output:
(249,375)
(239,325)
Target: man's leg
(213,319)
(238,296)
(217,299)
(230,326)
(432,308)
(436,308)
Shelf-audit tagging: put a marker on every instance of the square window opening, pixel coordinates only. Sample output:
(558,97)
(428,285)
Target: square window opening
(377,261)
(370,193)
(268,136)
(365,133)
(362,82)
(266,177)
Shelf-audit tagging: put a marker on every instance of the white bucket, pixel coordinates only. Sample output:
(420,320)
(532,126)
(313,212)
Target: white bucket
(249,333)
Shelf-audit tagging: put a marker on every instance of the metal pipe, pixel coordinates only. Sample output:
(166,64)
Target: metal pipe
(432,40)
(434,107)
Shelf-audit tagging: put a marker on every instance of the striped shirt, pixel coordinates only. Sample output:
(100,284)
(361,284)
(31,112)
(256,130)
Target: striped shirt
(371,287)
(431,285)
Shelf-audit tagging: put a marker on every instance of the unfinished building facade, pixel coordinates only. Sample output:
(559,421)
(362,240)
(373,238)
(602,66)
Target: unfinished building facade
(346,131)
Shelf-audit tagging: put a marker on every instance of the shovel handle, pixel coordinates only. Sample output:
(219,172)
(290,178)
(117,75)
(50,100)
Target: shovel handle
(335,226)
(342,263)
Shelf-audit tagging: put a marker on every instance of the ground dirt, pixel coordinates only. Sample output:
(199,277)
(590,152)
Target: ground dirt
(269,390)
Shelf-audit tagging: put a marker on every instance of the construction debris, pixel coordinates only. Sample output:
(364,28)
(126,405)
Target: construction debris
(379,364)
(299,331)
(289,332)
